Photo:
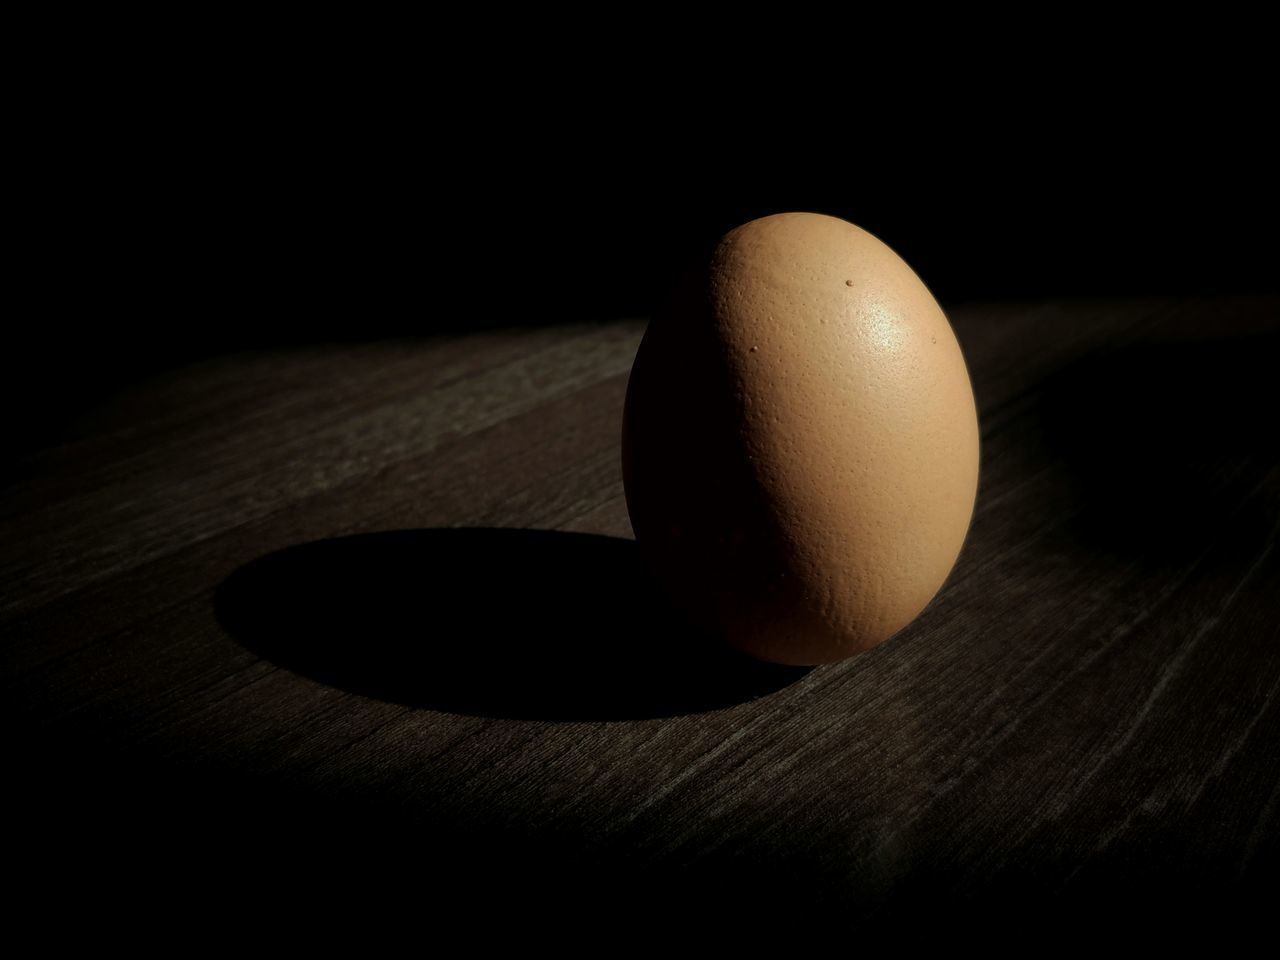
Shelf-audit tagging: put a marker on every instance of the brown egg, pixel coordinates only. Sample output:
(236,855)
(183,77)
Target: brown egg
(800,443)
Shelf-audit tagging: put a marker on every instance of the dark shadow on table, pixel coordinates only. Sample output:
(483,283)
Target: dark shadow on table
(1167,441)
(532,624)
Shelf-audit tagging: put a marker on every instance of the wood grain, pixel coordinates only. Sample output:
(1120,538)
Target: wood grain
(286,614)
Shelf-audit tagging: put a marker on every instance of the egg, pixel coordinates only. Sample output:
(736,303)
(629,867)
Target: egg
(800,442)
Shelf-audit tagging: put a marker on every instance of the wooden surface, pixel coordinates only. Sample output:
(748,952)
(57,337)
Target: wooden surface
(367,617)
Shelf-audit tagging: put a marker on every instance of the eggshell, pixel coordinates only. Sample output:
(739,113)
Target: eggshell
(800,442)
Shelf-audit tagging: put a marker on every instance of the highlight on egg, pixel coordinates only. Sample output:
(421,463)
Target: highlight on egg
(800,442)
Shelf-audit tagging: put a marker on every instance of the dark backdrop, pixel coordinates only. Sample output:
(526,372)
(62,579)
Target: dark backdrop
(170,228)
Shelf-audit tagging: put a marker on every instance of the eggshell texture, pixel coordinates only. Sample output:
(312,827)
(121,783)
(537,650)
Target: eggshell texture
(800,442)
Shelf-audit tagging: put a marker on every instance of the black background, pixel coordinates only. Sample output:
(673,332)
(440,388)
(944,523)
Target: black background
(187,202)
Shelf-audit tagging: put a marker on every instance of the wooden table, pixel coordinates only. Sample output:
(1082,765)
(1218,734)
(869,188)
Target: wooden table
(367,619)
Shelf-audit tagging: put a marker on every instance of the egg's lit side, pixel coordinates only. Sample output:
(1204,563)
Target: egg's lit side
(800,442)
